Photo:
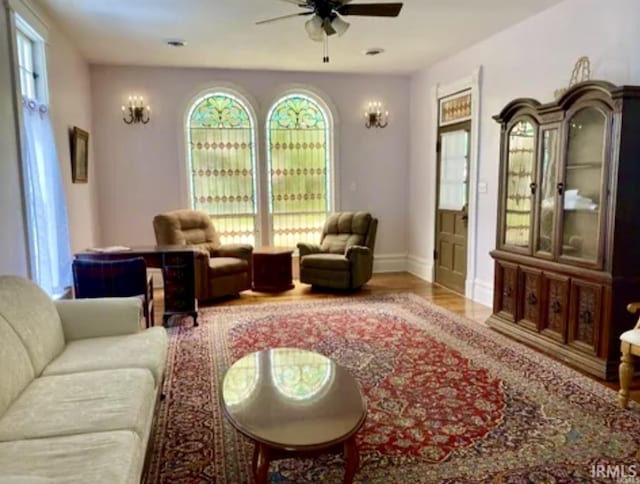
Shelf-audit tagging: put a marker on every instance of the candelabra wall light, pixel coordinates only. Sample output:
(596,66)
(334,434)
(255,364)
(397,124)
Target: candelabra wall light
(136,112)
(375,117)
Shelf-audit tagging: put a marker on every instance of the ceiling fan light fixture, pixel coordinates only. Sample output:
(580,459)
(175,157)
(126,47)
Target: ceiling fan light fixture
(313,26)
(339,25)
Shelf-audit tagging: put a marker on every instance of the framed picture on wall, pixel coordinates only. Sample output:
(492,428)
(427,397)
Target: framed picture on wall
(79,155)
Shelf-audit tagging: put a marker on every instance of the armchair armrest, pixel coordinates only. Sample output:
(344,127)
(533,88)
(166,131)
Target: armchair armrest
(633,307)
(94,318)
(242,251)
(356,253)
(361,260)
(306,249)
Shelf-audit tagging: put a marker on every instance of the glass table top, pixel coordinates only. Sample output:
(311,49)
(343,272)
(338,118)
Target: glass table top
(292,399)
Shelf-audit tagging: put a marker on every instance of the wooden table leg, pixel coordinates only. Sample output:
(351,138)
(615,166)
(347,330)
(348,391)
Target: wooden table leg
(626,374)
(351,458)
(260,463)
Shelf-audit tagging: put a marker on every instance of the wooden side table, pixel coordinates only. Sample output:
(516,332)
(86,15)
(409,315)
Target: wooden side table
(271,269)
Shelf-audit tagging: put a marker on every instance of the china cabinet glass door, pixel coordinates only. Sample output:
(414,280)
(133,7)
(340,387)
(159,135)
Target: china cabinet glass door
(547,194)
(583,187)
(518,186)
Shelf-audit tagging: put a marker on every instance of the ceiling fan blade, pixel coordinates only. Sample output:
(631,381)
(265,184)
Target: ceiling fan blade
(275,19)
(371,9)
(301,3)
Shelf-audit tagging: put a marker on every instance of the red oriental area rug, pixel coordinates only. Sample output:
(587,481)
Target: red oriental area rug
(449,400)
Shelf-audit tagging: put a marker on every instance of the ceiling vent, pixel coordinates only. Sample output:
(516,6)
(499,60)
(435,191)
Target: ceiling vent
(175,42)
(373,51)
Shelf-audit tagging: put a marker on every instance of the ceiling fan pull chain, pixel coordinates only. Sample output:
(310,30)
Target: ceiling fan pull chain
(325,45)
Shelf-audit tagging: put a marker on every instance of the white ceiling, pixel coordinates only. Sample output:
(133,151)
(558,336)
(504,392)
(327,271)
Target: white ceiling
(222,33)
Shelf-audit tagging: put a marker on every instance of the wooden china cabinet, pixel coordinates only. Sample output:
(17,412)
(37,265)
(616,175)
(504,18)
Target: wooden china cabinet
(567,257)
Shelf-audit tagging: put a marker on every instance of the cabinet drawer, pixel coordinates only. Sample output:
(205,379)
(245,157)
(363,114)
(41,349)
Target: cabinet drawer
(585,316)
(176,274)
(556,308)
(178,259)
(530,298)
(504,298)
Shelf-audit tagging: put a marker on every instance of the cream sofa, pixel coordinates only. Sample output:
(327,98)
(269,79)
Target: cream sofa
(79,383)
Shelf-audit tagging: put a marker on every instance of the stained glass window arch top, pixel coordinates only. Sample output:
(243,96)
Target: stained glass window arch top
(299,129)
(221,139)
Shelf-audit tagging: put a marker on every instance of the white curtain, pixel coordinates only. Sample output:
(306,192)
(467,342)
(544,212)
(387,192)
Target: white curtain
(50,250)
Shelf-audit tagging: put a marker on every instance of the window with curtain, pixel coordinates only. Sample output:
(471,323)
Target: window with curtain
(298,170)
(46,211)
(222,165)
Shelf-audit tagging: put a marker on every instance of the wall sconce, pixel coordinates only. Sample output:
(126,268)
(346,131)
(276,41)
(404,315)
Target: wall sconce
(137,112)
(374,116)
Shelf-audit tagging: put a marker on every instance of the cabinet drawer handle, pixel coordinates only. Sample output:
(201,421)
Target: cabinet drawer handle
(560,187)
(556,306)
(531,298)
(532,187)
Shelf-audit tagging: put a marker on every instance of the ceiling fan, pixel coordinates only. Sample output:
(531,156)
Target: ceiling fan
(327,16)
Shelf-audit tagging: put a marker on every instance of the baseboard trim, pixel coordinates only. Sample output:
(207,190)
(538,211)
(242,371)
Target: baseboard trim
(389,263)
(420,267)
(482,292)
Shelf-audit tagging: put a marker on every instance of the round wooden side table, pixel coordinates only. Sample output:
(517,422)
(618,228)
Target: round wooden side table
(294,403)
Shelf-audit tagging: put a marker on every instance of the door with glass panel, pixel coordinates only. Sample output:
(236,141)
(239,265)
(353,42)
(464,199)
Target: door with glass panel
(452,206)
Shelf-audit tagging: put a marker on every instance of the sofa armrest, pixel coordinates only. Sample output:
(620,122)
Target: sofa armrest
(94,318)
(306,249)
(241,251)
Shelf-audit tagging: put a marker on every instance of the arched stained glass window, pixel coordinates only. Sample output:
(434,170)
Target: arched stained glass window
(298,137)
(222,164)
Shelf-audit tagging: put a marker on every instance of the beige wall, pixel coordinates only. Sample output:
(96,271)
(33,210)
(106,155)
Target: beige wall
(141,168)
(530,59)
(70,99)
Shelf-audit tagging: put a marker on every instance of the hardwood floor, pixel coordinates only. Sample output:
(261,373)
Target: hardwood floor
(379,284)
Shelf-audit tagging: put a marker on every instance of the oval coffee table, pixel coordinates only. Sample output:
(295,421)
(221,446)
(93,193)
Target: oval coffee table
(294,403)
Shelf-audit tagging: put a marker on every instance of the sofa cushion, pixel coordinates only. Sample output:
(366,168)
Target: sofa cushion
(16,370)
(80,403)
(331,262)
(222,266)
(96,458)
(147,349)
(33,316)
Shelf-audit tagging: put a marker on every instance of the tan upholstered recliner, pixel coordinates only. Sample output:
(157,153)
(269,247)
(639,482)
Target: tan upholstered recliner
(344,258)
(221,270)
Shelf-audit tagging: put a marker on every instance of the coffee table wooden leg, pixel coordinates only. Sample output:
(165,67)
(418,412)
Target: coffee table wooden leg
(260,463)
(351,459)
